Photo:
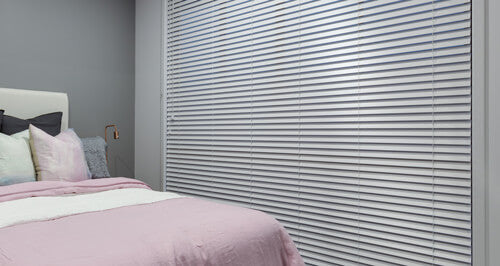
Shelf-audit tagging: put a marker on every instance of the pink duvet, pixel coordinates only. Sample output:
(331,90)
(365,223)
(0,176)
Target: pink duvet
(182,231)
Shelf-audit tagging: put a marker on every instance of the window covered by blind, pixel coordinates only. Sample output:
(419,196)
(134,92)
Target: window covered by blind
(348,121)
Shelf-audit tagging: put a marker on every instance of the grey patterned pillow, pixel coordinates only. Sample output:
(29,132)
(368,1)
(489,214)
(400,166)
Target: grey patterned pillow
(95,154)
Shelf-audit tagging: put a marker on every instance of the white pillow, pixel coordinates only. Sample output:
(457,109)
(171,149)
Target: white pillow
(16,165)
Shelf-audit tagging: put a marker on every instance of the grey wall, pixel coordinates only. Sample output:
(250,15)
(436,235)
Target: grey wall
(493,132)
(147,92)
(84,48)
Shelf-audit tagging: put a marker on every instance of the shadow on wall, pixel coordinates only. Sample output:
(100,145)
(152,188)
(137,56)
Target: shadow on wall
(117,164)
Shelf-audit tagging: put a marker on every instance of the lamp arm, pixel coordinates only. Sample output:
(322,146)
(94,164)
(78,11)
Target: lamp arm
(115,136)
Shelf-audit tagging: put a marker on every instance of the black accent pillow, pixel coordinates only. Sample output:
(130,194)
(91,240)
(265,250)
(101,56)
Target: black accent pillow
(1,117)
(50,123)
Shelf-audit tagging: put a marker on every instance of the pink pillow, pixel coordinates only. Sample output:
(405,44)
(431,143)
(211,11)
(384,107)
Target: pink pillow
(59,158)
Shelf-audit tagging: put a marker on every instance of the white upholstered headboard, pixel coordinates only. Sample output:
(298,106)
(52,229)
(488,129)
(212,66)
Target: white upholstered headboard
(28,103)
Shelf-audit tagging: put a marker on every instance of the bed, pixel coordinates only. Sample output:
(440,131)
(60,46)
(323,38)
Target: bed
(121,221)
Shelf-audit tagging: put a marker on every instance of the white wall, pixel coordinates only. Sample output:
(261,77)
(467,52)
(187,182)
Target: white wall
(147,92)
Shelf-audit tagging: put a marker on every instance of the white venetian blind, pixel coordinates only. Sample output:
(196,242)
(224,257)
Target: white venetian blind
(348,121)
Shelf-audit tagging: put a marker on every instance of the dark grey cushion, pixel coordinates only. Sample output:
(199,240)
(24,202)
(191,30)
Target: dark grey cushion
(50,123)
(95,154)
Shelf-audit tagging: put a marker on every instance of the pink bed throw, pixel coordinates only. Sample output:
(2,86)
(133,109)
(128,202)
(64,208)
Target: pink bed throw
(177,231)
